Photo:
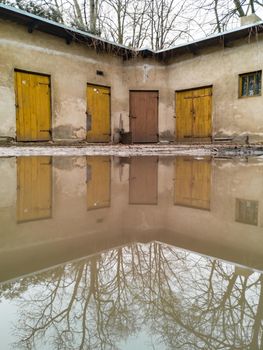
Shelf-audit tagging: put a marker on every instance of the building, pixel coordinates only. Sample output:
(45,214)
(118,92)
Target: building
(58,83)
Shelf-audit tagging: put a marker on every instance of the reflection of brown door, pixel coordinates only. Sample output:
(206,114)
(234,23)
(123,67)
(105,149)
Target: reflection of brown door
(194,113)
(144,116)
(143,180)
(98,182)
(33,107)
(193,183)
(34,188)
(98,113)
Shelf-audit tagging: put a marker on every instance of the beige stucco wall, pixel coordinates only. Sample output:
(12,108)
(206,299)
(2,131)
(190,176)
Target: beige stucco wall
(221,67)
(73,66)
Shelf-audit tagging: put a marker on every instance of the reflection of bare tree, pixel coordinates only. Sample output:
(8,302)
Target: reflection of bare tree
(188,301)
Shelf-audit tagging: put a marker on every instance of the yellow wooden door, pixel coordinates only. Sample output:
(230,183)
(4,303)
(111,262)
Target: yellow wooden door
(98,182)
(194,113)
(33,106)
(192,183)
(98,114)
(34,188)
(184,119)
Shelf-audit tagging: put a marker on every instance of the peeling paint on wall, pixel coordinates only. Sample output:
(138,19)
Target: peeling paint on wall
(67,131)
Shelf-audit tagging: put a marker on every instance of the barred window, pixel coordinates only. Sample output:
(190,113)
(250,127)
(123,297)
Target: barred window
(250,84)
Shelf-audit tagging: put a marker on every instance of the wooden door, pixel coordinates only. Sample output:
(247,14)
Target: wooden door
(144,116)
(34,188)
(194,113)
(192,183)
(98,182)
(98,114)
(33,107)
(143,180)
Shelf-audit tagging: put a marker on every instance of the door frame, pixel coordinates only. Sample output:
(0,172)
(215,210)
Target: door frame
(17,70)
(130,121)
(103,86)
(212,121)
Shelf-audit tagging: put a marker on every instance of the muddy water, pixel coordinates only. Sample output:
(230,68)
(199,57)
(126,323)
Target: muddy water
(131,253)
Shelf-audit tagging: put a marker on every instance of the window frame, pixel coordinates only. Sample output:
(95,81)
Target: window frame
(240,77)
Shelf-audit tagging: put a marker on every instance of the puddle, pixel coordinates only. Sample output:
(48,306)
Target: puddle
(131,253)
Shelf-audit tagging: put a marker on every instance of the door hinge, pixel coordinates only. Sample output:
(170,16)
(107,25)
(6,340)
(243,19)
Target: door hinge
(46,130)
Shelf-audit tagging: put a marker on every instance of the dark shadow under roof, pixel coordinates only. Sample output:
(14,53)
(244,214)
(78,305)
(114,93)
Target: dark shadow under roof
(34,22)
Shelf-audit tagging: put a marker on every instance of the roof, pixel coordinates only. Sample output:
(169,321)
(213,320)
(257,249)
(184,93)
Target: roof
(69,34)
(34,22)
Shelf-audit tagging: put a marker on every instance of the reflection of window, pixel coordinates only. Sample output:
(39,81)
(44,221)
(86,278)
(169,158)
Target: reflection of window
(247,211)
(250,84)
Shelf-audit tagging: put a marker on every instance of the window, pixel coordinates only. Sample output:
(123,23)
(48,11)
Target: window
(250,84)
(247,211)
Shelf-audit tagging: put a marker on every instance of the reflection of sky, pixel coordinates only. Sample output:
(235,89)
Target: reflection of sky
(8,316)
(156,273)
(142,341)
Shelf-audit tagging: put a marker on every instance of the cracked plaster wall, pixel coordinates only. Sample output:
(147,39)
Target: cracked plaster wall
(73,66)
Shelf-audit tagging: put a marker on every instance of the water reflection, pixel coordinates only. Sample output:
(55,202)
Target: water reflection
(193,182)
(98,182)
(188,301)
(143,180)
(129,276)
(34,188)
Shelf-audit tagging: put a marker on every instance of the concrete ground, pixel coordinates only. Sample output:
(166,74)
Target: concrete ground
(84,148)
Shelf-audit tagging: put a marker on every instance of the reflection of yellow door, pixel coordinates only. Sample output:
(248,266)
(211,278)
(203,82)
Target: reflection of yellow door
(34,188)
(98,182)
(33,107)
(98,113)
(193,183)
(194,113)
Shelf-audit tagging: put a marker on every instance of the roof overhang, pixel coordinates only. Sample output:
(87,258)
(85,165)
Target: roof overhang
(33,22)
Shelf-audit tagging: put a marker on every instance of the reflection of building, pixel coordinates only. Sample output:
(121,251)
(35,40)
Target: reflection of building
(193,183)
(143,180)
(247,211)
(34,188)
(98,182)
(123,191)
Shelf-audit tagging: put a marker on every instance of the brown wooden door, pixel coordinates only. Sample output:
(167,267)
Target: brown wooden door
(143,180)
(98,182)
(192,183)
(194,113)
(34,188)
(144,116)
